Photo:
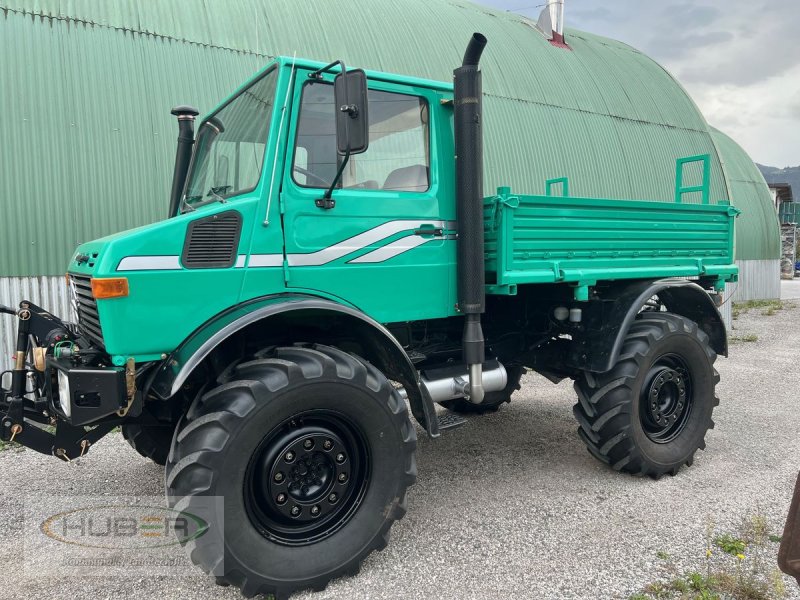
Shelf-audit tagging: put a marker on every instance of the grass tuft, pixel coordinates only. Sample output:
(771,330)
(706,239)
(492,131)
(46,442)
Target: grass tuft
(747,337)
(738,572)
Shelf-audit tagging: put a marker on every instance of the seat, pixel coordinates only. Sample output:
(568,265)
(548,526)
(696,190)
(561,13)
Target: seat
(408,179)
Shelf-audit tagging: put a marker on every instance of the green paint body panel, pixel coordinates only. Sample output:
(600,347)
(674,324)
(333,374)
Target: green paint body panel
(529,240)
(580,241)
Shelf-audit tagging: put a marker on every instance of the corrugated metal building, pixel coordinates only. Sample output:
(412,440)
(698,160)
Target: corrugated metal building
(758,256)
(86,88)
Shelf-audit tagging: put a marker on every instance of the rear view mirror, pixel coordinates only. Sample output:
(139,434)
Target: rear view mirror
(789,553)
(352,122)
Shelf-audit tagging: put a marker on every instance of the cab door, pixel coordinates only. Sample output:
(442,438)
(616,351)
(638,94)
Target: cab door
(387,245)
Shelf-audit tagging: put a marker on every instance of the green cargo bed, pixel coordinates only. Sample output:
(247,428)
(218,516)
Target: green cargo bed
(580,241)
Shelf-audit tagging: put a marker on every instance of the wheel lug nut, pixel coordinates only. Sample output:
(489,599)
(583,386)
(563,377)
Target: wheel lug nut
(280,498)
(279,476)
(295,511)
(308,444)
(342,477)
(315,510)
(327,444)
(333,498)
(289,456)
(340,457)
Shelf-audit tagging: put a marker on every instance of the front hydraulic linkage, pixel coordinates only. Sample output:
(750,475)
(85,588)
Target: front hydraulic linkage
(69,441)
(13,423)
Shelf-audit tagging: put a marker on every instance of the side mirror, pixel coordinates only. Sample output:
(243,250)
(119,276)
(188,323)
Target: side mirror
(352,122)
(789,553)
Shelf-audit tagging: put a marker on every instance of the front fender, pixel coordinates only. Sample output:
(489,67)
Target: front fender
(319,317)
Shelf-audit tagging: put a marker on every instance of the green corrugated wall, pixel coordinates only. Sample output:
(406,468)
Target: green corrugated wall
(86,87)
(750,193)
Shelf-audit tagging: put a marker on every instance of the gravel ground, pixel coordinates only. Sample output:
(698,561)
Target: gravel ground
(510,505)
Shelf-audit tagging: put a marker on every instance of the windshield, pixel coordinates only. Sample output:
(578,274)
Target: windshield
(229,151)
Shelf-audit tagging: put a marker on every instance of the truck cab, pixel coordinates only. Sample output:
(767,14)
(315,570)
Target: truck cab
(248,224)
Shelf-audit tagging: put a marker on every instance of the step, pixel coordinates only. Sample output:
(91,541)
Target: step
(449,420)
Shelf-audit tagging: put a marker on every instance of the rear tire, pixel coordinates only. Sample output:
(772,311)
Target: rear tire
(312,450)
(493,400)
(649,414)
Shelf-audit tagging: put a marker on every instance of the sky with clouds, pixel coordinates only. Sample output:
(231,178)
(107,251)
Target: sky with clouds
(738,59)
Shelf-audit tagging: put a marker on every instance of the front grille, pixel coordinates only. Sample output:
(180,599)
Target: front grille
(86,307)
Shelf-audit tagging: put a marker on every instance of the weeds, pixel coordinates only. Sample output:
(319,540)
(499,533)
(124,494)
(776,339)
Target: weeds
(770,307)
(735,568)
(730,545)
(747,337)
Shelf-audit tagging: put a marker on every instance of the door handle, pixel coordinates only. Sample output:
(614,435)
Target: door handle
(434,231)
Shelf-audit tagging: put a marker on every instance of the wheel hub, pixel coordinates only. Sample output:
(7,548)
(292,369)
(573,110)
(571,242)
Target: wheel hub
(666,399)
(667,396)
(307,477)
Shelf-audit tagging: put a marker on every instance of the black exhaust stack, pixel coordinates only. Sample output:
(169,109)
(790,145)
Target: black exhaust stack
(183,155)
(469,208)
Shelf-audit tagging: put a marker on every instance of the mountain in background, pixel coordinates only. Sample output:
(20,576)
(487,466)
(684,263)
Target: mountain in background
(790,175)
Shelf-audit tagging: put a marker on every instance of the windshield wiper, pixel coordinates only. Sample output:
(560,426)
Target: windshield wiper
(215,191)
(185,202)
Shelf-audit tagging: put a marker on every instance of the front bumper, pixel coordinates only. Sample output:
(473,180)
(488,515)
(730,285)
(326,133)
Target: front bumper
(84,395)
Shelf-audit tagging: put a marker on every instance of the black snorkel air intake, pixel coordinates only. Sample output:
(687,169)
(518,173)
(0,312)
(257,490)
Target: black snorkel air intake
(183,155)
(469,209)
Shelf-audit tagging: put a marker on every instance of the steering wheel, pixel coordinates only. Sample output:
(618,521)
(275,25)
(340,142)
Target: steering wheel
(313,176)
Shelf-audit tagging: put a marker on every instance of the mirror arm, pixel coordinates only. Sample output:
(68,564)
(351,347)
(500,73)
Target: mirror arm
(327,202)
(318,73)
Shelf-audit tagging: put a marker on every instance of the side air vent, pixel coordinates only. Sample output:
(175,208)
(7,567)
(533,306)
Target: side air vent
(212,242)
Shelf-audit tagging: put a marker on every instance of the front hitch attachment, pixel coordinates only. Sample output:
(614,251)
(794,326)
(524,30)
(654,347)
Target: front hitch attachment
(13,422)
(25,424)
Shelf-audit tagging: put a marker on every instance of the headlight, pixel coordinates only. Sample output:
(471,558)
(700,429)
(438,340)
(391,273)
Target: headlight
(64,398)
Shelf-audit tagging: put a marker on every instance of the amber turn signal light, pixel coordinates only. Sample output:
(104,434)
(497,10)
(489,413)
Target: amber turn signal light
(114,287)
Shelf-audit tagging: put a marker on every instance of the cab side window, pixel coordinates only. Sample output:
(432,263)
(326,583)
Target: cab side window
(398,157)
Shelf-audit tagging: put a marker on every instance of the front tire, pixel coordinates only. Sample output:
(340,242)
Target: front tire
(151,441)
(312,451)
(649,414)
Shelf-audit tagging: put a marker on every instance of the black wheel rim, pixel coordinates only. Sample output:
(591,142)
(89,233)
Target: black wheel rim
(666,399)
(307,477)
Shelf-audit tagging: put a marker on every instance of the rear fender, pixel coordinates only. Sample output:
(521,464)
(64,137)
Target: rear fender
(608,319)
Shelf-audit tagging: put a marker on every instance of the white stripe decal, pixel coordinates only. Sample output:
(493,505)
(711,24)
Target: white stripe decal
(355,243)
(265,260)
(391,250)
(312,259)
(149,263)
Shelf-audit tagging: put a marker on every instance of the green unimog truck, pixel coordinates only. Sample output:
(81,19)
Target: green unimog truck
(328,265)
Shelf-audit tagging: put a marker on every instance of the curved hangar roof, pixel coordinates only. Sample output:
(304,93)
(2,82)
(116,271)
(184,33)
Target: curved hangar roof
(87,86)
